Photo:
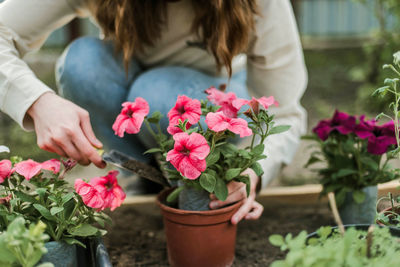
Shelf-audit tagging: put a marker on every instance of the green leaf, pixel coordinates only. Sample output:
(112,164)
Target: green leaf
(258,149)
(73,241)
(246,180)
(370,162)
(152,150)
(257,168)
(67,197)
(83,230)
(276,240)
(221,191)
(55,210)
(359,196)
(155,117)
(44,212)
(174,194)
(279,129)
(207,181)
(311,161)
(41,192)
(381,91)
(345,172)
(232,173)
(213,157)
(25,197)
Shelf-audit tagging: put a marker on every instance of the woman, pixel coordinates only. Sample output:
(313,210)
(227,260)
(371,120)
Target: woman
(166,48)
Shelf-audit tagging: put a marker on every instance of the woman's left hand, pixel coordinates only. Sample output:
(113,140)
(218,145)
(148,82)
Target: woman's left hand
(250,209)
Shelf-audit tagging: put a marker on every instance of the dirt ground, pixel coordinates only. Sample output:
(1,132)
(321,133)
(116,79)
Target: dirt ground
(137,238)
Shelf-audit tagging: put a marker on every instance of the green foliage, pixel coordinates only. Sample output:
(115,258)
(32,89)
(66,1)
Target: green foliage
(49,199)
(22,246)
(330,248)
(390,217)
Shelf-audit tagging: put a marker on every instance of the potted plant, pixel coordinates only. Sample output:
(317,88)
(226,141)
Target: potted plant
(22,244)
(200,157)
(328,247)
(356,152)
(37,192)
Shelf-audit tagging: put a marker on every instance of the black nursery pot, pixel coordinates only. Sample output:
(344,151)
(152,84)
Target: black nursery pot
(63,255)
(394,231)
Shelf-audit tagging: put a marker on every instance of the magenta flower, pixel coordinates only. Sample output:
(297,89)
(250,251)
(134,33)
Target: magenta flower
(230,104)
(5,169)
(27,168)
(90,196)
(109,190)
(189,154)
(382,137)
(218,122)
(341,122)
(131,117)
(185,109)
(52,165)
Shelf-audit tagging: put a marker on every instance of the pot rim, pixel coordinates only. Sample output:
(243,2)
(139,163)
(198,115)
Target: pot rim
(162,196)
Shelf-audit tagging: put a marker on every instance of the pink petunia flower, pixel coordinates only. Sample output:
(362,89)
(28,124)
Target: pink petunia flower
(189,154)
(131,117)
(5,169)
(90,196)
(52,165)
(229,102)
(254,103)
(218,122)
(185,109)
(109,189)
(27,168)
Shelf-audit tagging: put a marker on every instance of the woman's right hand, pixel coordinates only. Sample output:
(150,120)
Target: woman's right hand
(64,128)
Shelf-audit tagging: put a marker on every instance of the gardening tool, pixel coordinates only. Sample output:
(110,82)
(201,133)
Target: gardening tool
(126,162)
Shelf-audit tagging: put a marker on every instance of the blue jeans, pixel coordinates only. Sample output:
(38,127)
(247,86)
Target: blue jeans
(91,74)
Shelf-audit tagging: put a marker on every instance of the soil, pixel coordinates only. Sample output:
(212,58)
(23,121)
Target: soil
(137,238)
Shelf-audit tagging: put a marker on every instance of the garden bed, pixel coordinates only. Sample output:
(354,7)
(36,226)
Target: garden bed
(137,238)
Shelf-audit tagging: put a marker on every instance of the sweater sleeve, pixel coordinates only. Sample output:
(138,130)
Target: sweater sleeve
(275,66)
(24,26)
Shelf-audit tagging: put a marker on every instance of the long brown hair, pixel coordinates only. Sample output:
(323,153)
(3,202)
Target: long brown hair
(223,25)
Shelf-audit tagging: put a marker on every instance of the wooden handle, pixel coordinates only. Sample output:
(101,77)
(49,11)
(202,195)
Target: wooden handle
(338,220)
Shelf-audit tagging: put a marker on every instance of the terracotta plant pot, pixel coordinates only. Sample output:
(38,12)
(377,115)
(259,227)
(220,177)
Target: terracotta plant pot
(199,238)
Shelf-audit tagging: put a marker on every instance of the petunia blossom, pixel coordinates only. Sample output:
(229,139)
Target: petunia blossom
(218,122)
(341,122)
(229,102)
(189,154)
(52,165)
(27,168)
(5,169)
(131,117)
(254,103)
(90,196)
(382,137)
(109,190)
(185,109)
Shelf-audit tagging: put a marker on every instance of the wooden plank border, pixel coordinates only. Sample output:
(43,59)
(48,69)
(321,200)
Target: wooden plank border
(296,195)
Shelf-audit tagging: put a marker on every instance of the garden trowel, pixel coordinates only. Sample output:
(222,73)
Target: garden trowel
(126,162)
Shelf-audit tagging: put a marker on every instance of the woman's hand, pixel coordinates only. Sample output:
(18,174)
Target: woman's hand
(64,128)
(250,209)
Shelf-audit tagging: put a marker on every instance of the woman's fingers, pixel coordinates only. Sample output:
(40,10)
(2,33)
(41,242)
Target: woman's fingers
(251,209)
(256,212)
(87,152)
(88,130)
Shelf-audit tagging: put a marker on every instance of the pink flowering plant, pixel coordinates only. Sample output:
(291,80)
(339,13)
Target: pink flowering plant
(356,152)
(37,191)
(199,151)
